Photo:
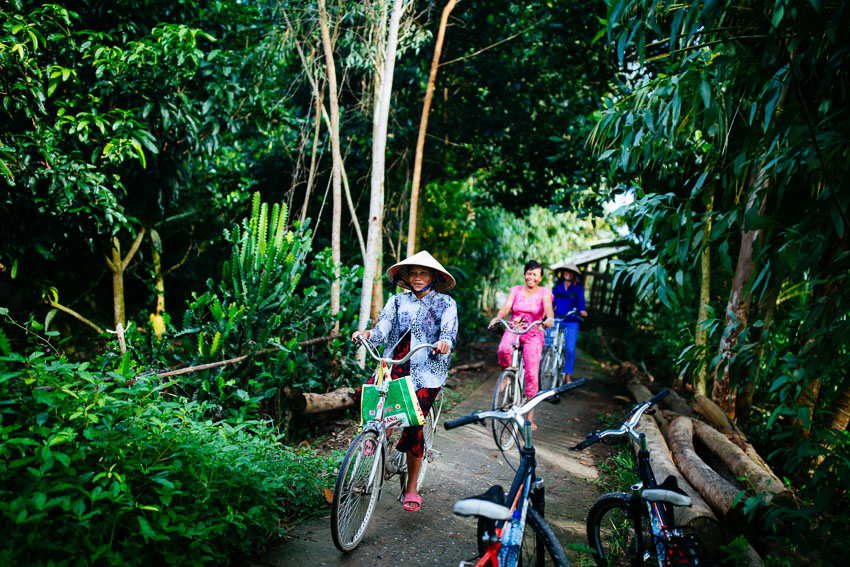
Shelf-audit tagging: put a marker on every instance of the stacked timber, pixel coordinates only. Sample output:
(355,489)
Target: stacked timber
(680,424)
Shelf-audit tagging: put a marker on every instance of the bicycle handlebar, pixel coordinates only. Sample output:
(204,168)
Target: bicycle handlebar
(511,326)
(370,348)
(627,426)
(515,413)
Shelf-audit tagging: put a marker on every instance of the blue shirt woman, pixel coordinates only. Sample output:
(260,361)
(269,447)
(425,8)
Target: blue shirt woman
(568,303)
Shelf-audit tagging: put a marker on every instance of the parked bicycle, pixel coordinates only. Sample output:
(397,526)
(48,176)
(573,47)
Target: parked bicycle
(510,386)
(637,527)
(368,463)
(503,540)
(552,362)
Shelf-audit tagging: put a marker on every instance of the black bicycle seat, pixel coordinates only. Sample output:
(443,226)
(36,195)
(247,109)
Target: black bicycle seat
(489,505)
(668,491)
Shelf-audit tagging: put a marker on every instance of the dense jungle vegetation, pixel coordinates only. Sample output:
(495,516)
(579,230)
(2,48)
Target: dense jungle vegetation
(187,150)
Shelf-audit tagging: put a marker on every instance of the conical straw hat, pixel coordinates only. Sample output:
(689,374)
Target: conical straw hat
(566,265)
(443,280)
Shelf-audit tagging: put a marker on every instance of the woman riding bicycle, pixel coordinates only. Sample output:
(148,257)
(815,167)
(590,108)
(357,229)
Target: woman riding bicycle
(528,303)
(569,303)
(424,314)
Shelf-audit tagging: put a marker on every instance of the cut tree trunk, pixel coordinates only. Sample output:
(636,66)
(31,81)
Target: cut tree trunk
(311,403)
(675,402)
(718,492)
(712,412)
(740,464)
(699,515)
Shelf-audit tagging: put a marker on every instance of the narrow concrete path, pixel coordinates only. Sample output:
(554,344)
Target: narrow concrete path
(470,463)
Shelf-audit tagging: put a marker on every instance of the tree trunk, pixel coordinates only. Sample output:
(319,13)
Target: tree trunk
(423,127)
(117,265)
(310,403)
(739,463)
(698,516)
(715,415)
(156,317)
(716,490)
(679,406)
(701,337)
(337,161)
(744,399)
(841,407)
(319,95)
(738,307)
(379,144)
(378,292)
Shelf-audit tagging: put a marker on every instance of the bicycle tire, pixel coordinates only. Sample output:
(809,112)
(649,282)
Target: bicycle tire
(353,503)
(611,533)
(504,395)
(548,373)
(540,546)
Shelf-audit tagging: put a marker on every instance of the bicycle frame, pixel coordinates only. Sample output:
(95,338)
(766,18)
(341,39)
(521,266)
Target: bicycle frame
(526,488)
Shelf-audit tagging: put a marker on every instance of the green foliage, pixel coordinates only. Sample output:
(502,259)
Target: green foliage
(119,472)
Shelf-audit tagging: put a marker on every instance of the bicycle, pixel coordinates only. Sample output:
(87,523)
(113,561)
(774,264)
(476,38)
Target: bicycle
(502,538)
(637,527)
(510,386)
(552,362)
(367,465)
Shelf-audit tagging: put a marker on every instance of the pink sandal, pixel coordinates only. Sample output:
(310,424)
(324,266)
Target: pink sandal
(369,448)
(412,502)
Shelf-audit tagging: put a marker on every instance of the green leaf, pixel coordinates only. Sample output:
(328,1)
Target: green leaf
(705,93)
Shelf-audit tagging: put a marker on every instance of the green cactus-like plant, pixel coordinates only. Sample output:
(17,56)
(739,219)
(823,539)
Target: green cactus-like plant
(254,305)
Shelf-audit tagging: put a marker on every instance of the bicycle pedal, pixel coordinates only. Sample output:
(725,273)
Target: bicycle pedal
(433,454)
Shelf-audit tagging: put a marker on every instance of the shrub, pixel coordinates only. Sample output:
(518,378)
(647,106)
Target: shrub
(97,468)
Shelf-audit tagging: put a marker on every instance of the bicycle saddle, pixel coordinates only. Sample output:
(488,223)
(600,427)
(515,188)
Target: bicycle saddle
(668,491)
(489,505)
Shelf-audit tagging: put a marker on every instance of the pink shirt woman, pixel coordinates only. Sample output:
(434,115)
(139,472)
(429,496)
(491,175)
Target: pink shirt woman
(528,302)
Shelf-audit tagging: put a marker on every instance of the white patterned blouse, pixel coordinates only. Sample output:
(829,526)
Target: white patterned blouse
(430,319)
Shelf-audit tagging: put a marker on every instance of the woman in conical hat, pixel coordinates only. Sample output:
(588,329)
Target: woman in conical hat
(569,309)
(422,314)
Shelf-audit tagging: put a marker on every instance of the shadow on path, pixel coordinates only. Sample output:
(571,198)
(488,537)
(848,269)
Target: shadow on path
(470,463)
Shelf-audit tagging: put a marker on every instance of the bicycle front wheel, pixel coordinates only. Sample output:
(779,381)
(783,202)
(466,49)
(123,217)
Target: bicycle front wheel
(358,486)
(540,545)
(612,535)
(548,372)
(505,395)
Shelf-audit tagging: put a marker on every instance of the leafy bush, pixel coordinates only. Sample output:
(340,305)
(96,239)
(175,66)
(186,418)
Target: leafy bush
(98,468)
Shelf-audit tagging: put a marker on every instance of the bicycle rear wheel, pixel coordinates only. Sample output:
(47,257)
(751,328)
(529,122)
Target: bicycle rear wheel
(540,545)
(357,490)
(428,431)
(548,372)
(611,532)
(505,395)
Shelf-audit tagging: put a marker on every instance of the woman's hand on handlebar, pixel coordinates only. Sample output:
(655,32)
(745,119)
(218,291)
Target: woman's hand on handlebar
(549,322)
(442,348)
(357,336)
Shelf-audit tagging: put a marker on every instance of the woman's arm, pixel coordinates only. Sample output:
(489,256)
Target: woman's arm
(547,309)
(505,309)
(448,329)
(582,312)
(383,326)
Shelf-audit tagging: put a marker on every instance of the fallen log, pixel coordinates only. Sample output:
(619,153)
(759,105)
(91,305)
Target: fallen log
(470,366)
(718,492)
(742,466)
(675,402)
(712,412)
(699,515)
(309,402)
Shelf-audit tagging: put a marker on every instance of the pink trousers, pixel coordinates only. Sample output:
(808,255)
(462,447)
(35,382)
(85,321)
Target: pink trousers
(532,347)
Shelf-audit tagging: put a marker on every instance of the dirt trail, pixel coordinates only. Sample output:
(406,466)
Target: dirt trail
(470,463)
